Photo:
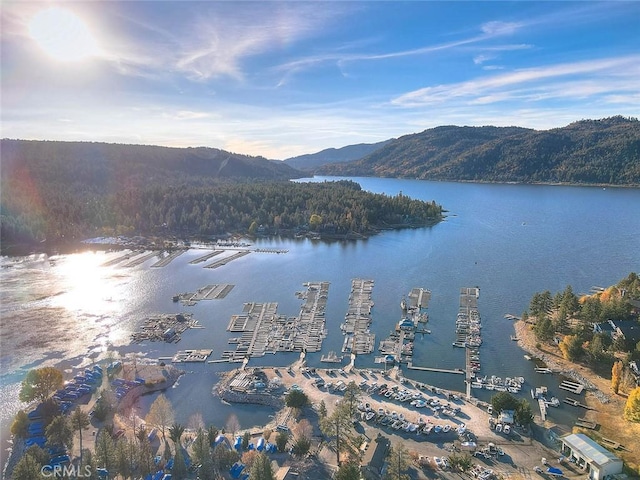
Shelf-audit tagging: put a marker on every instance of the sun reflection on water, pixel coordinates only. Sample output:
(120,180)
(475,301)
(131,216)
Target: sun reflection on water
(88,286)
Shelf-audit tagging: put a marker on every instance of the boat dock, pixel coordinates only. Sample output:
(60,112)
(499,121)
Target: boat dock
(358,338)
(575,403)
(214,291)
(586,424)
(225,260)
(163,262)
(265,331)
(468,333)
(206,257)
(122,258)
(419,298)
(457,371)
(165,328)
(187,356)
(543,409)
(573,387)
(140,259)
(332,357)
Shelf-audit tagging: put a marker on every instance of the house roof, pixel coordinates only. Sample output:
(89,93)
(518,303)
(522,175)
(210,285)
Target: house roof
(629,328)
(591,450)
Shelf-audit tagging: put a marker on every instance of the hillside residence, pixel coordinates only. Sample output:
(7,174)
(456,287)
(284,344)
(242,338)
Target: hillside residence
(374,456)
(590,456)
(627,329)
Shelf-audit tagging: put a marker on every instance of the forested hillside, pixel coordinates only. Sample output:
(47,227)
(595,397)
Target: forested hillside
(603,151)
(311,161)
(58,192)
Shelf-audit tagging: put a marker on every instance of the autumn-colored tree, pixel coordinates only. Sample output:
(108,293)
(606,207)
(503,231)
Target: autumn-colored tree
(40,383)
(616,375)
(632,407)
(571,347)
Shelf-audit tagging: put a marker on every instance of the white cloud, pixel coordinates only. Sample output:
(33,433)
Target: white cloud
(608,74)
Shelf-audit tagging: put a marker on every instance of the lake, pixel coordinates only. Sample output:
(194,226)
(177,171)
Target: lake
(509,240)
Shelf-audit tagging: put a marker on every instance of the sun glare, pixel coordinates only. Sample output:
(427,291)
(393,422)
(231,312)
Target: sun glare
(62,35)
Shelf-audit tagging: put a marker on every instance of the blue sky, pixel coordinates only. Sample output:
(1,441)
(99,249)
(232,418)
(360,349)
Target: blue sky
(281,79)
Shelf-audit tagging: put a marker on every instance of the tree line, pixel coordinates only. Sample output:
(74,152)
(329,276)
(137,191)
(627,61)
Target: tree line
(279,208)
(573,317)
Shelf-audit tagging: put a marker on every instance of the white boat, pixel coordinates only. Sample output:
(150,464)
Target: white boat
(437,428)
(461,429)
(413,427)
(506,430)
(369,416)
(498,427)
(553,402)
(446,428)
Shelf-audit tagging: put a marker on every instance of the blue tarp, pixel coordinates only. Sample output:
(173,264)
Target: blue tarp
(554,471)
(238,444)
(219,439)
(260,445)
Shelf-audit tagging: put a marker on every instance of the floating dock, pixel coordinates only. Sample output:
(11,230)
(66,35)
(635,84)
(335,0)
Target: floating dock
(163,262)
(358,338)
(573,387)
(206,257)
(586,424)
(165,328)
(332,357)
(214,291)
(265,331)
(225,260)
(575,403)
(543,409)
(187,356)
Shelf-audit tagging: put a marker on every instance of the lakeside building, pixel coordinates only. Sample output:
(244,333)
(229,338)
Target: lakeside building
(589,455)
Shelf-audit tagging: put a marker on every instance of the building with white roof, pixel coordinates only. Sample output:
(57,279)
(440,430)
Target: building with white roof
(590,456)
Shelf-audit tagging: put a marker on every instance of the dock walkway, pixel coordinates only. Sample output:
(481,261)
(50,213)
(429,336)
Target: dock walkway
(358,338)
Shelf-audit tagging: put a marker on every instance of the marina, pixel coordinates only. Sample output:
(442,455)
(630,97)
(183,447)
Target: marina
(358,338)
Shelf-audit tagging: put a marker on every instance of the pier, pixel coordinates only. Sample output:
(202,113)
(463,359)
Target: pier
(419,298)
(457,371)
(358,338)
(468,325)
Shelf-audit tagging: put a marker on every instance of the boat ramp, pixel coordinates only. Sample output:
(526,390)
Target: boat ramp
(265,331)
(358,339)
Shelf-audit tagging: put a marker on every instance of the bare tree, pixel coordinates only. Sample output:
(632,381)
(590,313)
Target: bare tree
(160,414)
